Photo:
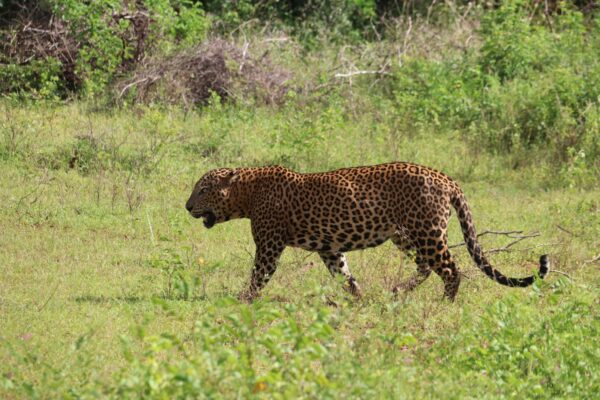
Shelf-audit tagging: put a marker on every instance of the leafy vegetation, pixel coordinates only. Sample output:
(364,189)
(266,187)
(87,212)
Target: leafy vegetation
(94,41)
(111,290)
(528,86)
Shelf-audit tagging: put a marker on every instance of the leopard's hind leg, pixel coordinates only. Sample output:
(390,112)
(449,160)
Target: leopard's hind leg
(403,243)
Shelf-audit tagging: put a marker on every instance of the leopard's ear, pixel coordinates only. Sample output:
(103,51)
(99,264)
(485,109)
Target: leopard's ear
(231,176)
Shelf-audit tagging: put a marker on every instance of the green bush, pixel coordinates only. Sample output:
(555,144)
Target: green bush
(530,86)
(103,39)
(512,45)
(181,280)
(258,349)
(548,358)
(438,93)
(38,79)
(106,45)
(310,21)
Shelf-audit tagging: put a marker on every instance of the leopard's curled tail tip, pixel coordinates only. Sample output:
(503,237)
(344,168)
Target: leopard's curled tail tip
(544,266)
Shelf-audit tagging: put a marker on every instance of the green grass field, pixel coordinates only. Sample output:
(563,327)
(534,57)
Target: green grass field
(110,289)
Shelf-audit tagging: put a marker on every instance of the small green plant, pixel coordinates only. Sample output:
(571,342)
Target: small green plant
(181,279)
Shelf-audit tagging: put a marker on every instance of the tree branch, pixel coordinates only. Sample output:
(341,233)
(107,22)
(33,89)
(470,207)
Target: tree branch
(518,239)
(591,261)
(567,231)
(129,85)
(511,234)
(561,272)
(351,74)
(506,233)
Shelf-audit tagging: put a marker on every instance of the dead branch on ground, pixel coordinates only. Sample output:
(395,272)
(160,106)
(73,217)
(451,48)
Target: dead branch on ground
(567,231)
(354,73)
(561,273)
(591,261)
(517,235)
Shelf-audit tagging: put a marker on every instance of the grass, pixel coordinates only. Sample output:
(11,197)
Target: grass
(109,288)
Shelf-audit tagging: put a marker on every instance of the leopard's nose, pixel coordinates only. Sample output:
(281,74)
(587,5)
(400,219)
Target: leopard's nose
(189,206)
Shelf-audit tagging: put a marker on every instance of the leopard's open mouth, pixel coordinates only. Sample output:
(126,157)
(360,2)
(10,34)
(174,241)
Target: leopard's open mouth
(209,218)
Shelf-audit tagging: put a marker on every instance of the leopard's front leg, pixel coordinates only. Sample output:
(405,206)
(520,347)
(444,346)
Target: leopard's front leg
(269,246)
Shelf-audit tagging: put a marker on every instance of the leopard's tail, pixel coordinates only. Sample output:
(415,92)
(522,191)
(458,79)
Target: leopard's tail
(466,223)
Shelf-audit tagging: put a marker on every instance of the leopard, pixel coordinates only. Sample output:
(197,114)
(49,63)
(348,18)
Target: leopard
(347,209)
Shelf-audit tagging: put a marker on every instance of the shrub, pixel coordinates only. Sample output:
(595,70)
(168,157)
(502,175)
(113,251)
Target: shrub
(512,45)
(255,349)
(181,281)
(529,86)
(38,79)
(547,357)
(93,41)
(438,93)
(216,68)
(310,21)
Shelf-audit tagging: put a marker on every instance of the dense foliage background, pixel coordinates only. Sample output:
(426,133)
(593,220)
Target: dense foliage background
(518,77)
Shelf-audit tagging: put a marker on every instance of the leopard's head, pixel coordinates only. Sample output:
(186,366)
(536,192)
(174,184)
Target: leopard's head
(210,198)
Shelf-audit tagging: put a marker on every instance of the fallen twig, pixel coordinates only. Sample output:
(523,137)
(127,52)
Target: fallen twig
(506,233)
(591,261)
(561,272)
(244,52)
(518,239)
(511,234)
(465,275)
(567,231)
(40,308)
(277,39)
(129,85)
(351,74)
(535,247)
